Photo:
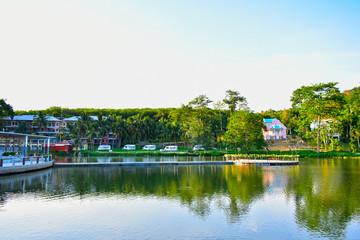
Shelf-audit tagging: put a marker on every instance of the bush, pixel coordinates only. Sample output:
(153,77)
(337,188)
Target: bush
(9,154)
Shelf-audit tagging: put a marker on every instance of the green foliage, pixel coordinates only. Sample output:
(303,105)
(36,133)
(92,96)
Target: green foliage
(351,116)
(5,154)
(245,130)
(6,110)
(196,123)
(262,156)
(40,120)
(233,99)
(317,103)
(199,132)
(124,113)
(200,102)
(22,128)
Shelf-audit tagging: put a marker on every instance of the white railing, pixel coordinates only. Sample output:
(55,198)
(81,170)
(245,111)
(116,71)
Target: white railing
(19,160)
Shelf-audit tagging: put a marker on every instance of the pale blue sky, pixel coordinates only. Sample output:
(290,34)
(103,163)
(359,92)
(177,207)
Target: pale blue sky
(136,54)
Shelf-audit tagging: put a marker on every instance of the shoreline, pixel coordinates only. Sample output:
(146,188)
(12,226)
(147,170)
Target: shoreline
(212,153)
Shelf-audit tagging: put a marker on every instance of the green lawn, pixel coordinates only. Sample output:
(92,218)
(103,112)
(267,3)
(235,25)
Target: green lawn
(189,152)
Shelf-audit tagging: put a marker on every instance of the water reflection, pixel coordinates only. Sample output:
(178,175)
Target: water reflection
(325,193)
(194,186)
(21,183)
(136,159)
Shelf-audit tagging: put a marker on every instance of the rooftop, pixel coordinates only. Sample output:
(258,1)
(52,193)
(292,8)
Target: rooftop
(31,118)
(269,120)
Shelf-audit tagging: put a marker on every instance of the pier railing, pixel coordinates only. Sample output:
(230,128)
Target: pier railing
(233,157)
(15,161)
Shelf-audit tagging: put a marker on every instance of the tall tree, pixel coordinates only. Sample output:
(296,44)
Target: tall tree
(196,121)
(92,133)
(83,124)
(6,110)
(351,114)
(316,103)
(119,129)
(199,132)
(233,99)
(200,102)
(245,130)
(219,107)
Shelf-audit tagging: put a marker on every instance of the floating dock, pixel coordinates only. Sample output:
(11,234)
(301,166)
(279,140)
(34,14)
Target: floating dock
(263,159)
(266,162)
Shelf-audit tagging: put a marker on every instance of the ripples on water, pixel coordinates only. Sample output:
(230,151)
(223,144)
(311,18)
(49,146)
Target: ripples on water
(318,199)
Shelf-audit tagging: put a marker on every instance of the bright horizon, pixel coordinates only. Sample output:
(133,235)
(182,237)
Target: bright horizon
(160,54)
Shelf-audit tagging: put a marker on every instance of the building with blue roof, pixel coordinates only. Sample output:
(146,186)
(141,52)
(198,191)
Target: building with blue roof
(275,130)
(52,128)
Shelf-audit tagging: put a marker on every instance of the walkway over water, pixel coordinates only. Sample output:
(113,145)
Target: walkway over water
(17,155)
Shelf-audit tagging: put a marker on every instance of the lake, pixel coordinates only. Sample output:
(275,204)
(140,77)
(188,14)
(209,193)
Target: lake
(319,198)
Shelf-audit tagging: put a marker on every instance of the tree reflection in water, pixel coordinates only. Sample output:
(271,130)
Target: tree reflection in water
(327,195)
(232,188)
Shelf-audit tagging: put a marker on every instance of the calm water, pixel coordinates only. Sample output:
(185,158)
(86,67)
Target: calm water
(317,199)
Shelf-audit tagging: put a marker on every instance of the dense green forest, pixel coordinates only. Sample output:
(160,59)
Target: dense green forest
(227,123)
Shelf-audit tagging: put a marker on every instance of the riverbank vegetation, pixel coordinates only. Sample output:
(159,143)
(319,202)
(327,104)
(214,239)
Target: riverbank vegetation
(211,153)
(321,115)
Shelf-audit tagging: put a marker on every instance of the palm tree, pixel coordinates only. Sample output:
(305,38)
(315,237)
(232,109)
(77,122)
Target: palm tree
(83,124)
(119,129)
(22,128)
(40,121)
(103,127)
(92,133)
(161,130)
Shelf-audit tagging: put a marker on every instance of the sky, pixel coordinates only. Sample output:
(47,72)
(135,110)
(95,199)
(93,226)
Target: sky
(160,53)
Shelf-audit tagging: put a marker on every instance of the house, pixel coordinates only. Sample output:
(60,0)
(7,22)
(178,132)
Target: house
(275,130)
(74,119)
(325,123)
(53,124)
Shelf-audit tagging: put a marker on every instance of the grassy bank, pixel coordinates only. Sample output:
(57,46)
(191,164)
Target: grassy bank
(214,153)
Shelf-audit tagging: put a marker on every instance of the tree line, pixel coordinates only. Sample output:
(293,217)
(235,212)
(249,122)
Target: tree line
(194,123)
(226,123)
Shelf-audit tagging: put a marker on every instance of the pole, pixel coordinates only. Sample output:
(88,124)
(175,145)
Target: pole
(26,140)
(37,147)
(48,147)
